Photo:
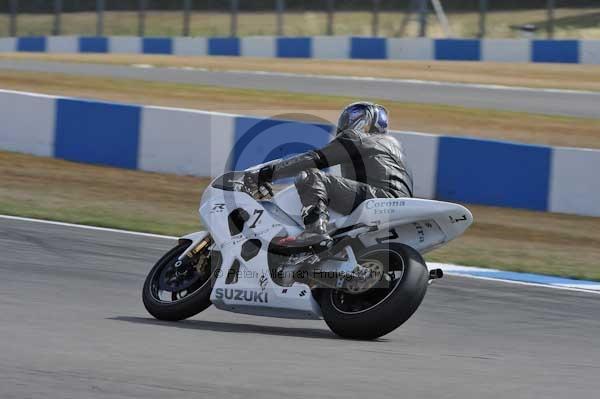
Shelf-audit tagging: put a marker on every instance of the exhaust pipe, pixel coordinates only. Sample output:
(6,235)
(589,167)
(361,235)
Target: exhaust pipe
(435,274)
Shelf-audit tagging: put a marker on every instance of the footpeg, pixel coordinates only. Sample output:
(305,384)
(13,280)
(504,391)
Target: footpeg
(435,274)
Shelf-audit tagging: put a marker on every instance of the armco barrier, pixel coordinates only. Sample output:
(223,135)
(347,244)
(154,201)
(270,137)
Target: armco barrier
(323,47)
(201,143)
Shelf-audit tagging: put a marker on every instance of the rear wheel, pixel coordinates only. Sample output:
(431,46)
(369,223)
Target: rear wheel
(375,312)
(173,297)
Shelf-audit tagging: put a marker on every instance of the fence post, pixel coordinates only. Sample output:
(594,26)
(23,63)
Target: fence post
(142,18)
(330,11)
(483,5)
(234,17)
(12,26)
(550,25)
(99,17)
(280,9)
(376,4)
(57,12)
(187,6)
(423,6)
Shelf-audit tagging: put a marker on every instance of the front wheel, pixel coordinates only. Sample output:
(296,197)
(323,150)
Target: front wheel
(379,310)
(172,297)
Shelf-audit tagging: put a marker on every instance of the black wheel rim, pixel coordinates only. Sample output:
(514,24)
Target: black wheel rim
(349,303)
(169,287)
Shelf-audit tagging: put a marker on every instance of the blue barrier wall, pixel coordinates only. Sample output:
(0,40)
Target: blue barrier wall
(563,51)
(372,48)
(31,44)
(457,50)
(98,133)
(224,46)
(93,45)
(171,140)
(493,173)
(157,45)
(339,47)
(294,47)
(258,140)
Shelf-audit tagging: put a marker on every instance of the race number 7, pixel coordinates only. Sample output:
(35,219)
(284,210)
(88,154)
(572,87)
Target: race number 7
(258,212)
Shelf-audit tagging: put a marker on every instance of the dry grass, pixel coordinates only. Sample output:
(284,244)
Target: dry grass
(60,190)
(560,76)
(527,241)
(571,22)
(528,128)
(100,196)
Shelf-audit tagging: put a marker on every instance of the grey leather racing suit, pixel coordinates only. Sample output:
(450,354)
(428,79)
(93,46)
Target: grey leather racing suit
(372,166)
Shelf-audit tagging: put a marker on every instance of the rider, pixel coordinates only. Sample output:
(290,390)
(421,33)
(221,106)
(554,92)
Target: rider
(373,165)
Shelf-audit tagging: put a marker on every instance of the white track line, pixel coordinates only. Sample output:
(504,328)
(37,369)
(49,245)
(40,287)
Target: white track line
(418,82)
(109,230)
(82,226)
(527,283)
(378,79)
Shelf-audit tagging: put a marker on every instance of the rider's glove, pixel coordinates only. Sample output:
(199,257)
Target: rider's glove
(254,179)
(251,180)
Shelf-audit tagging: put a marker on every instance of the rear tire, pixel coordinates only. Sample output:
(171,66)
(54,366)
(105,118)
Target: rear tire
(394,307)
(188,306)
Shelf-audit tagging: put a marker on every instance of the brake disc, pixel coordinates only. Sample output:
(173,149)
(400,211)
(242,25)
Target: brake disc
(364,277)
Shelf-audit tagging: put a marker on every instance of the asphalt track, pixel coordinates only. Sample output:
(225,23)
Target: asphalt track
(72,325)
(543,101)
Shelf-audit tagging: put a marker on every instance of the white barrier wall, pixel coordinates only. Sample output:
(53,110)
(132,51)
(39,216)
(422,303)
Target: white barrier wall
(27,123)
(190,46)
(62,44)
(422,152)
(505,50)
(125,45)
(324,47)
(202,143)
(331,47)
(8,44)
(575,184)
(258,46)
(185,141)
(590,52)
(410,49)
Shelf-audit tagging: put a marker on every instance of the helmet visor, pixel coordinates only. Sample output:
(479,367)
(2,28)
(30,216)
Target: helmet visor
(381,120)
(356,116)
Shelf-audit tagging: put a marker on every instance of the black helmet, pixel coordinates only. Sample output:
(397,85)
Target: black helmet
(363,117)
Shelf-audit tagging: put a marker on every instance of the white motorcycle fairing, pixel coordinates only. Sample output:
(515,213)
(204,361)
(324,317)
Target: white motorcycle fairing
(420,223)
(239,224)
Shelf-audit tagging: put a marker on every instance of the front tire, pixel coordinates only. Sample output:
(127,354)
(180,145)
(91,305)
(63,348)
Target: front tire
(169,304)
(378,311)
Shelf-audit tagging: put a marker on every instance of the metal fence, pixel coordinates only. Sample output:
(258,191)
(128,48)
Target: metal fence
(436,18)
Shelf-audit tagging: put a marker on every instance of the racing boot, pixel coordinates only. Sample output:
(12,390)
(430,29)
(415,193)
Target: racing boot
(315,233)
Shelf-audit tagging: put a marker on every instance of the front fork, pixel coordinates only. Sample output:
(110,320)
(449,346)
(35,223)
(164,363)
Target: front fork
(200,242)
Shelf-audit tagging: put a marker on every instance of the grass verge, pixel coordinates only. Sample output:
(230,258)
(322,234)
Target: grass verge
(442,119)
(559,76)
(569,22)
(510,239)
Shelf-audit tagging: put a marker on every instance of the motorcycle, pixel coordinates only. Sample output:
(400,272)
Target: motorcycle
(365,283)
